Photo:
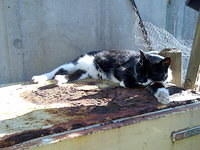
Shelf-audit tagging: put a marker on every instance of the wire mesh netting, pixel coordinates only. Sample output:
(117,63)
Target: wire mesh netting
(160,39)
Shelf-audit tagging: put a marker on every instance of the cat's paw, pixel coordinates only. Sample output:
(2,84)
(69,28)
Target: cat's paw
(162,96)
(61,79)
(39,79)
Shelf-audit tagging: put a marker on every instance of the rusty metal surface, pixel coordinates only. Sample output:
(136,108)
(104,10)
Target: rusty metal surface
(84,105)
(101,127)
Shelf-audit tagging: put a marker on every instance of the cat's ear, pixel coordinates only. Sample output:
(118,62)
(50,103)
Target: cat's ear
(166,62)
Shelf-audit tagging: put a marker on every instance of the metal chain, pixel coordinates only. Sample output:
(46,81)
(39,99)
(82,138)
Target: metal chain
(141,24)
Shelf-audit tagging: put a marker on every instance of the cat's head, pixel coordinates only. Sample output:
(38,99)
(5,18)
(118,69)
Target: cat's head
(155,67)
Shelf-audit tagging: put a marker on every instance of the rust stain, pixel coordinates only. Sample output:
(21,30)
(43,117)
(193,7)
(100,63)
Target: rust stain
(104,126)
(89,107)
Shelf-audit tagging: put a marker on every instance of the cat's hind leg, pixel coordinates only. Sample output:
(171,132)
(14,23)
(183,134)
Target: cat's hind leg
(77,75)
(83,63)
(61,70)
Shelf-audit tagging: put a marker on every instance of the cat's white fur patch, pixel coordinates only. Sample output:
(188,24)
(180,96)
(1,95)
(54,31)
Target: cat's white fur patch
(162,95)
(61,79)
(40,78)
(156,54)
(122,84)
(170,76)
(152,52)
(83,76)
(145,83)
(87,63)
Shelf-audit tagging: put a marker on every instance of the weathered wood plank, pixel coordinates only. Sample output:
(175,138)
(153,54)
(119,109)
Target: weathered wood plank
(194,60)
(197,83)
(175,66)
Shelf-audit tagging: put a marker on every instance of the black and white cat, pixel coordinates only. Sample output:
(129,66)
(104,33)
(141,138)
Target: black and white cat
(128,68)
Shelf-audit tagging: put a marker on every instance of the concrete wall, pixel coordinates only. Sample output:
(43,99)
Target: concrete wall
(153,11)
(173,15)
(38,35)
(181,19)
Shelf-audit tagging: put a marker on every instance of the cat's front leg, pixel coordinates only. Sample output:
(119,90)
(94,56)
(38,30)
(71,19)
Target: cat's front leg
(162,95)
(160,92)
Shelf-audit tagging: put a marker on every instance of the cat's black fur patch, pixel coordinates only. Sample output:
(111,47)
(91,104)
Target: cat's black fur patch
(75,75)
(61,72)
(130,66)
(155,86)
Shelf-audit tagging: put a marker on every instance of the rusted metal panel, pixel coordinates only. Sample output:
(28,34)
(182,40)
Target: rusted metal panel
(167,114)
(80,109)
